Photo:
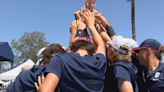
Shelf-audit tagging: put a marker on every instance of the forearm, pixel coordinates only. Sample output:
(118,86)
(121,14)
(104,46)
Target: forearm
(73,29)
(105,24)
(72,39)
(50,83)
(105,36)
(103,33)
(97,39)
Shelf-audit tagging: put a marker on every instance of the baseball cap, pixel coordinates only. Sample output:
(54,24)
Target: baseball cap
(149,43)
(85,39)
(119,41)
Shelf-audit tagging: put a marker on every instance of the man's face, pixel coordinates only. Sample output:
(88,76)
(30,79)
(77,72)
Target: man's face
(142,57)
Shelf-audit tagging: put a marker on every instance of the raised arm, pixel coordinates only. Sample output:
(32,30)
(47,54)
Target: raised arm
(77,15)
(73,29)
(105,24)
(103,33)
(90,21)
(54,70)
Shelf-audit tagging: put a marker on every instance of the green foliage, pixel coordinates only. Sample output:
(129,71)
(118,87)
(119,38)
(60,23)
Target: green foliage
(4,66)
(28,45)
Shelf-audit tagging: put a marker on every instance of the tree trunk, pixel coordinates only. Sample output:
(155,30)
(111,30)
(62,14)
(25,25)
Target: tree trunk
(133,19)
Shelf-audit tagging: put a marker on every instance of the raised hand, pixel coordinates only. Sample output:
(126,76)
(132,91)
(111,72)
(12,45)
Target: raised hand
(73,27)
(40,81)
(99,27)
(101,19)
(81,25)
(77,15)
(89,18)
(89,4)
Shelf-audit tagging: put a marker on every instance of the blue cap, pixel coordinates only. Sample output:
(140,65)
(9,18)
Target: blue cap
(150,43)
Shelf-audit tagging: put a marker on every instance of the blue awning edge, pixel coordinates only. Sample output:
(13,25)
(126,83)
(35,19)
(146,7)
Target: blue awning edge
(6,53)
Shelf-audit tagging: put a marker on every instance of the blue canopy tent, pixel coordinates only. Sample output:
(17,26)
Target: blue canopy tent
(6,53)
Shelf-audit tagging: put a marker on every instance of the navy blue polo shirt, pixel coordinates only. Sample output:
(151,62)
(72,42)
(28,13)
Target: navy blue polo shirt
(79,73)
(24,82)
(122,70)
(155,80)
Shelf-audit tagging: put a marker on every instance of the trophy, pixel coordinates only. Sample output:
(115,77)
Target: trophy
(89,4)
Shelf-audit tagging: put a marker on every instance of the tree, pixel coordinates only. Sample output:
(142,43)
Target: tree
(4,66)
(133,19)
(28,46)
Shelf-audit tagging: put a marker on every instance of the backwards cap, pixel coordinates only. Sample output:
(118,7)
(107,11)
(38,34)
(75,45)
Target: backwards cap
(119,41)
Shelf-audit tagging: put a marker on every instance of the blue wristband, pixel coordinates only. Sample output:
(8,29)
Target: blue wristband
(110,31)
(79,33)
(86,32)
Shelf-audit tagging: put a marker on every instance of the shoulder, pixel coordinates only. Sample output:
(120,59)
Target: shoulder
(124,70)
(64,55)
(120,66)
(58,58)
(100,56)
(159,71)
(160,68)
(125,65)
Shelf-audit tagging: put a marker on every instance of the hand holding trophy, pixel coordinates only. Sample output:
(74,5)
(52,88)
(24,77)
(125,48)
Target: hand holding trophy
(89,4)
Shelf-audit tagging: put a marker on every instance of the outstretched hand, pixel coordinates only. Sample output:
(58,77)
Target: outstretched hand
(89,18)
(39,83)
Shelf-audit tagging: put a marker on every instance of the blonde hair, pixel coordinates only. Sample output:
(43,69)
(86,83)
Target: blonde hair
(117,56)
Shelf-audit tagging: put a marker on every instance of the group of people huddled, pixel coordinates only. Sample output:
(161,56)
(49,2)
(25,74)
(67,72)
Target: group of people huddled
(97,60)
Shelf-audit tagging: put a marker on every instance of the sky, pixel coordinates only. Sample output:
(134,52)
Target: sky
(53,17)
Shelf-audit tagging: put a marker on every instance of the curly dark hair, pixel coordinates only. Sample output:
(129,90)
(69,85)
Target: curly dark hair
(83,44)
(50,51)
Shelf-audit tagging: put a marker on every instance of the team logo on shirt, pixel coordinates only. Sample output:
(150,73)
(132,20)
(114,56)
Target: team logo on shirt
(156,76)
